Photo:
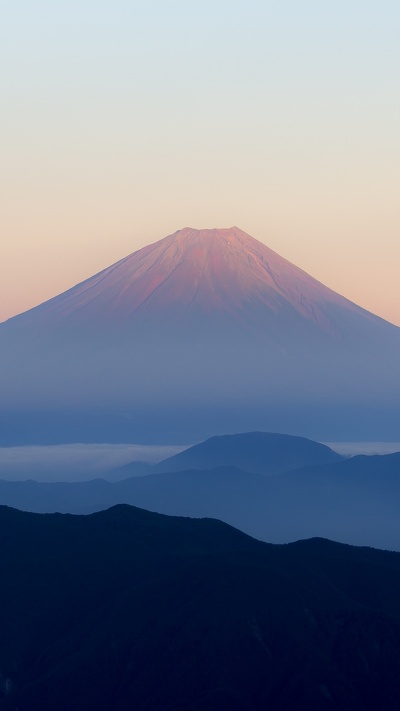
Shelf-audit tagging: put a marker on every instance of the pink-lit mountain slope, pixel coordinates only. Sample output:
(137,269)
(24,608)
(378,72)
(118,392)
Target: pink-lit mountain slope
(200,279)
(203,321)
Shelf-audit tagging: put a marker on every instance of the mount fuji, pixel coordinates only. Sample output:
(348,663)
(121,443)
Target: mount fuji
(203,332)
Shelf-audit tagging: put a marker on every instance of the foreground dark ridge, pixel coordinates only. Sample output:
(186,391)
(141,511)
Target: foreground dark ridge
(127,609)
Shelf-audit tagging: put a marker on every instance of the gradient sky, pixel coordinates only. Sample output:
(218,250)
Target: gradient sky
(124,121)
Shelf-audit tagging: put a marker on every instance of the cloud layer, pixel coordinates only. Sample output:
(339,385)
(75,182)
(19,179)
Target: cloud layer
(75,462)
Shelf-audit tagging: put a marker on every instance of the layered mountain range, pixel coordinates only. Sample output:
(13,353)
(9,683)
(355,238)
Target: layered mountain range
(204,331)
(277,488)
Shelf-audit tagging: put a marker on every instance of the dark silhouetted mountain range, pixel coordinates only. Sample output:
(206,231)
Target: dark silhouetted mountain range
(126,609)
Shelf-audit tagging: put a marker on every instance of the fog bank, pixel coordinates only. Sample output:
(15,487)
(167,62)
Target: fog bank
(75,462)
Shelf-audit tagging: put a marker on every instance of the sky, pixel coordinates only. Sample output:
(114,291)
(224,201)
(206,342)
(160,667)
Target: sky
(124,121)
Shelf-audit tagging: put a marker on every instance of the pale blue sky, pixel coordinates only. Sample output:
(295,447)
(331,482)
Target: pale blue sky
(124,121)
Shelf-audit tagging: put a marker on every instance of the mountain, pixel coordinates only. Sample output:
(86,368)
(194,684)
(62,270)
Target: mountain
(256,452)
(128,609)
(197,279)
(354,501)
(203,332)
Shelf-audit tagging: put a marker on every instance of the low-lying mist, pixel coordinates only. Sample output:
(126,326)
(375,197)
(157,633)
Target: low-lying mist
(76,462)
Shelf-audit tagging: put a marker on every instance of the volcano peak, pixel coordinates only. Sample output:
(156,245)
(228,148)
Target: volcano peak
(204,326)
(220,275)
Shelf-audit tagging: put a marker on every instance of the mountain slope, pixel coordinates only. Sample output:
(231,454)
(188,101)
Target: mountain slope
(205,273)
(127,609)
(203,332)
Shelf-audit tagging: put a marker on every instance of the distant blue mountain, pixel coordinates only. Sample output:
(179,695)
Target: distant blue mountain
(256,452)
